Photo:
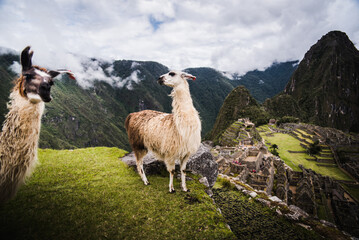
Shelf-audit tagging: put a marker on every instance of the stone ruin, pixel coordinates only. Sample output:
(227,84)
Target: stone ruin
(318,195)
(251,163)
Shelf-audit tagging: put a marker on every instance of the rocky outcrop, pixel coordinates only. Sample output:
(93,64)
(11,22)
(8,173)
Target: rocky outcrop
(201,162)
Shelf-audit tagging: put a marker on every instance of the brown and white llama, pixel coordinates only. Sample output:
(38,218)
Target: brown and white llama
(21,128)
(170,137)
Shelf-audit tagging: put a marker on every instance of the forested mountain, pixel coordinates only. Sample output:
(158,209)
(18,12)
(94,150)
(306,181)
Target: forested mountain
(94,115)
(268,83)
(238,104)
(79,117)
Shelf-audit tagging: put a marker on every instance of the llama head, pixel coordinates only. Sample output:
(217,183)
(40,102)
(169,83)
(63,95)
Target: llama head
(35,82)
(175,78)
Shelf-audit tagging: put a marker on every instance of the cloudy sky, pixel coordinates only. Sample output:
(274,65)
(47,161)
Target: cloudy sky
(229,35)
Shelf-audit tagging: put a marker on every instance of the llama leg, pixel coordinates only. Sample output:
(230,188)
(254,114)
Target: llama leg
(171,170)
(183,175)
(139,162)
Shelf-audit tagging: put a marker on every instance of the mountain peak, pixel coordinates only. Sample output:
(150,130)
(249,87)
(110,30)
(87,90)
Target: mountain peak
(326,83)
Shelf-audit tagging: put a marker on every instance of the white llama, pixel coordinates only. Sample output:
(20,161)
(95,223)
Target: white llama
(170,137)
(21,128)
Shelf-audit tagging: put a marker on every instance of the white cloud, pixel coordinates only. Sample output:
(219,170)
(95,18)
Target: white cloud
(230,35)
(4,50)
(15,67)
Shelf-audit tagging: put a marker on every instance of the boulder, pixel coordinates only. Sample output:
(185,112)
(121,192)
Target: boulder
(201,162)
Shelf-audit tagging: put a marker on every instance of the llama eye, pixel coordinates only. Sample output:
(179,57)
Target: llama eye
(28,77)
(172,74)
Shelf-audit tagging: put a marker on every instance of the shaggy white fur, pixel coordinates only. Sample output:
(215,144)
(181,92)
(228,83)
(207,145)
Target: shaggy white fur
(19,141)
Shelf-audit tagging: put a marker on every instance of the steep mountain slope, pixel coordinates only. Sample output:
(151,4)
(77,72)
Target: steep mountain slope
(80,117)
(6,78)
(266,84)
(238,104)
(208,91)
(325,86)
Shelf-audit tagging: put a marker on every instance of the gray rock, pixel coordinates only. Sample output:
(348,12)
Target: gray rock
(204,181)
(209,192)
(201,162)
(296,213)
(275,199)
(328,224)
(239,187)
(151,165)
(253,194)
(264,202)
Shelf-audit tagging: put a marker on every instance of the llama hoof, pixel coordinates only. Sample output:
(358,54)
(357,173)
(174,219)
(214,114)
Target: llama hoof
(187,190)
(172,191)
(147,183)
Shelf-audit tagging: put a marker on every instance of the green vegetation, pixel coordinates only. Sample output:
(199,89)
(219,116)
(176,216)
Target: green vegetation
(95,116)
(352,189)
(266,84)
(287,119)
(273,149)
(286,142)
(249,219)
(311,87)
(6,79)
(238,104)
(314,148)
(90,194)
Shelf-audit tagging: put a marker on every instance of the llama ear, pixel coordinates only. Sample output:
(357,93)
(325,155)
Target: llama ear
(187,75)
(61,71)
(26,56)
(53,74)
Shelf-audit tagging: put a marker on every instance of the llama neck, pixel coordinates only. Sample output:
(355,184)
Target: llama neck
(21,128)
(185,115)
(182,102)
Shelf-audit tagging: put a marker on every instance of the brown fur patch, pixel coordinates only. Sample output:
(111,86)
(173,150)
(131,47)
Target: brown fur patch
(40,68)
(133,124)
(19,86)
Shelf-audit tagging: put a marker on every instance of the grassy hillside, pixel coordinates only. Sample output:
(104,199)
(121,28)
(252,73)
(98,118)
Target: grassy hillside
(6,78)
(90,194)
(287,142)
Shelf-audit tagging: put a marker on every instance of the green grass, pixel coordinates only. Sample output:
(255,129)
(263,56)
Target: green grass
(286,142)
(304,134)
(249,219)
(90,194)
(353,190)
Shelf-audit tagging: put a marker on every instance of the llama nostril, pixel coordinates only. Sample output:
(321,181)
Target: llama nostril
(160,80)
